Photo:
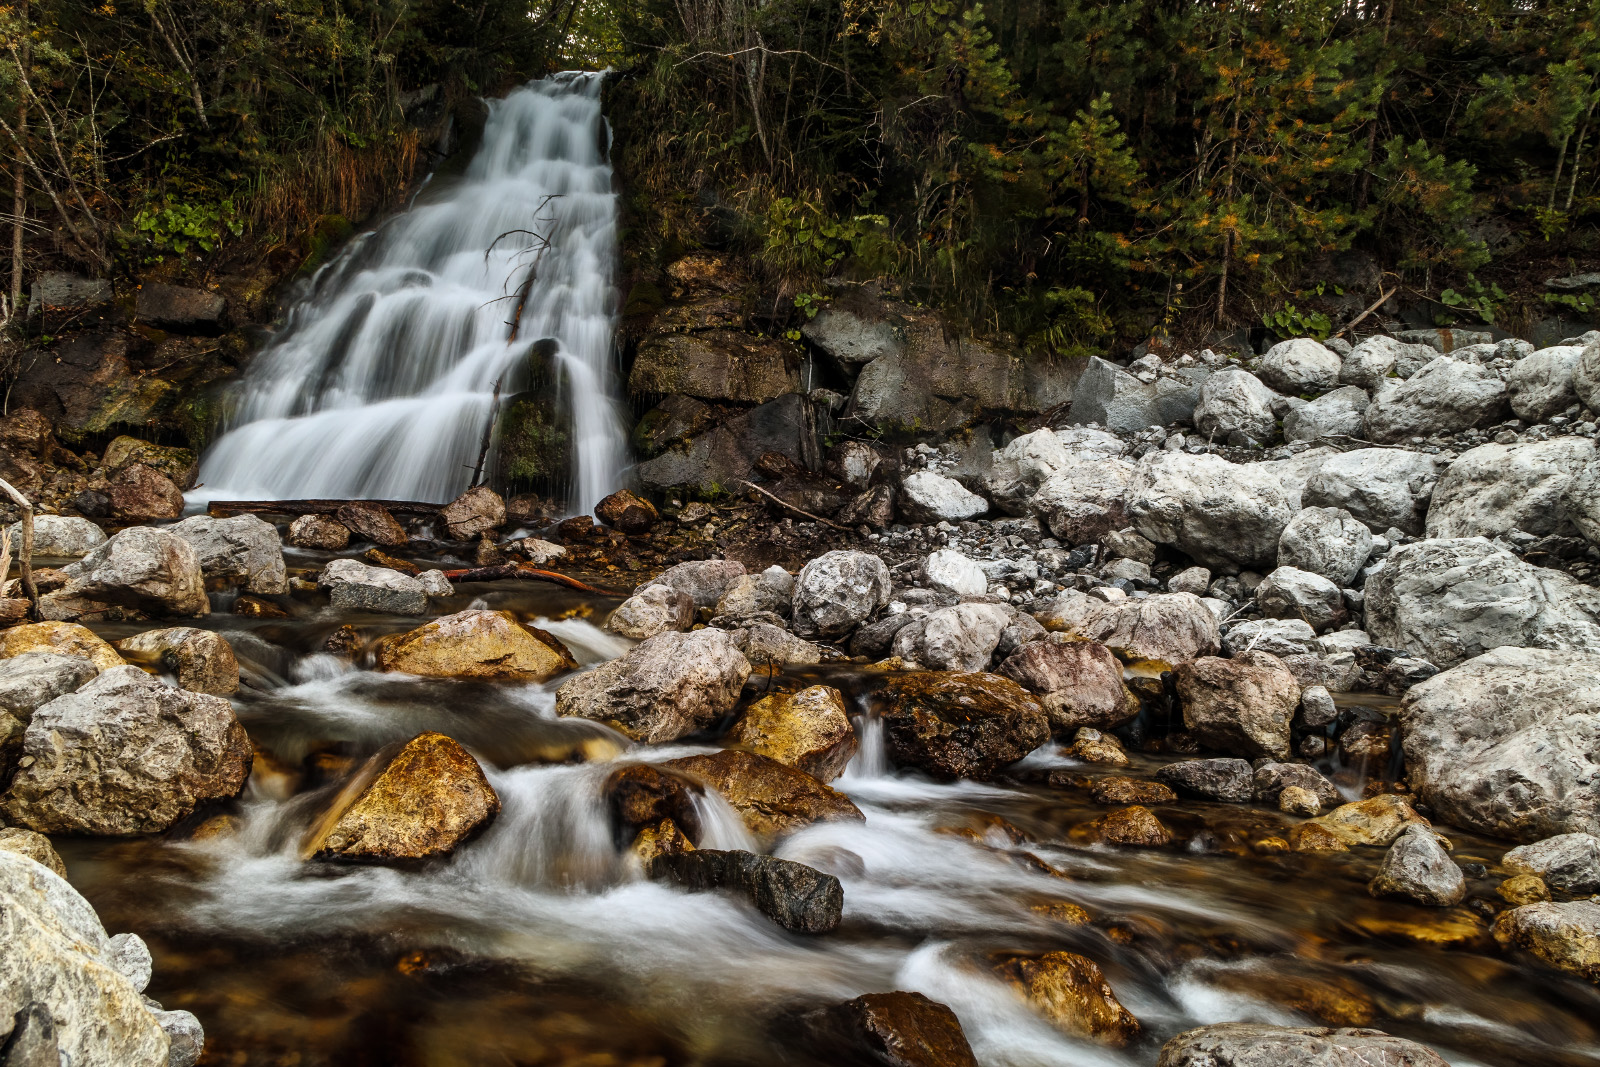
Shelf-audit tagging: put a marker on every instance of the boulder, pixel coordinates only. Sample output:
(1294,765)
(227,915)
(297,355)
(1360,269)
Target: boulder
(1260,1045)
(179,464)
(1369,364)
(872,507)
(1300,801)
(33,845)
(929,497)
(1234,402)
(182,310)
(141,493)
(767,646)
(1242,705)
(798,898)
(142,568)
(1445,397)
(809,730)
(60,536)
(1085,499)
(850,338)
(479,510)
(704,580)
(1022,466)
(771,797)
(1494,489)
(1211,779)
(1278,637)
(32,679)
(125,754)
(1170,628)
(356,586)
(434,583)
(959,638)
(202,660)
(953,725)
(475,644)
(1070,991)
(62,638)
(1586,376)
(1271,779)
(949,571)
(888,1030)
(318,531)
(1566,936)
(1418,868)
(55,291)
(1382,487)
(726,454)
(420,804)
(1109,396)
(1227,516)
(856,462)
(1079,683)
(1300,365)
(241,551)
(1291,593)
(771,590)
(1541,385)
(1568,862)
(1450,600)
(838,591)
(1326,541)
(1195,580)
(1118,789)
(1376,822)
(1341,413)
(627,512)
(1135,826)
(1504,744)
(668,686)
(371,522)
(655,609)
(728,365)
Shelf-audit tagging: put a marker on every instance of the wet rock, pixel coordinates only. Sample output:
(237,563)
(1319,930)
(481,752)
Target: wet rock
(1116,789)
(318,531)
(769,647)
(655,609)
(1234,401)
(1494,489)
(639,796)
(33,845)
(1568,862)
(668,686)
(243,550)
(182,310)
(186,1036)
(929,497)
(1242,705)
(1382,487)
(1378,821)
(1226,516)
(141,568)
(178,464)
(1566,936)
(1271,779)
(809,730)
(1079,683)
(62,536)
(1070,991)
(61,638)
(426,799)
(949,571)
(1210,779)
(771,797)
(704,580)
(661,839)
(1168,629)
(1326,541)
(960,638)
(476,644)
(627,512)
(838,591)
(125,754)
(1260,1045)
(202,660)
(477,511)
(952,725)
(1300,366)
(371,522)
(1341,413)
(1134,826)
(1522,889)
(1092,746)
(1296,800)
(1418,868)
(1086,499)
(140,493)
(1291,593)
(796,897)
(772,590)
(355,586)
(888,1030)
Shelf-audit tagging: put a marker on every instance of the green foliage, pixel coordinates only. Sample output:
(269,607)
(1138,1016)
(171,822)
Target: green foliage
(1584,304)
(174,227)
(1482,301)
(1290,321)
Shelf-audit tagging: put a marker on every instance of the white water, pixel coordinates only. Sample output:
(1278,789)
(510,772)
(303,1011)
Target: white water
(380,384)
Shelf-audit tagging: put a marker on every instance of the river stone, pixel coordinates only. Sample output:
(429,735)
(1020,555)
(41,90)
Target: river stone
(929,497)
(476,644)
(896,1029)
(357,586)
(956,725)
(767,646)
(1227,516)
(61,638)
(142,568)
(1271,779)
(187,1037)
(1165,628)
(655,609)
(838,591)
(141,493)
(1079,683)
(427,799)
(1418,868)
(1541,385)
(57,955)
(1300,365)
(32,679)
(771,590)
(667,686)
(1234,401)
(371,522)
(33,845)
(62,536)
(809,730)
(1341,413)
(241,551)
(1022,466)
(959,638)
(1586,376)
(1260,1045)
(1278,637)
(1379,821)
(628,512)
(126,755)
(1445,397)
(1134,826)
(1566,936)
(1449,600)
(1291,593)
(1505,744)
(1085,499)
(1494,489)
(951,572)
(704,580)
(1071,991)
(318,531)
(1382,487)
(1326,541)
(434,583)
(1369,363)
(1211,779)
(798,898)
(1242,705)
(771,797)
(479,510)
(1568,862)
(202,660)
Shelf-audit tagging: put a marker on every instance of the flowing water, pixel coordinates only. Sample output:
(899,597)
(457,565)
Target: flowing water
(381,383)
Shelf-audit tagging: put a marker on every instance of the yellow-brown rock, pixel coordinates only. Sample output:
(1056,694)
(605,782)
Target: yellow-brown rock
(662,839)
(772,798)
(1314,837)
(1566,936)
(1522,889)
(1334,1001)
(476,644)
(202,660)
(1070,991)
(809,730)
(1092,746)
(1061,911)
(1135,825)
(65,638)
(1117,789)
(429,798)
(1377,821)
(33,845)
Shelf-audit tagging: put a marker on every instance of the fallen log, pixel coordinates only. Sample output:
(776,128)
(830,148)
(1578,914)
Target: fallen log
(219,509)
(522,570)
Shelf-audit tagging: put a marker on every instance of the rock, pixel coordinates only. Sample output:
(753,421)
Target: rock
(1566,936)
(1326,541)
(838,591)
(1022,466)
(1586,376)
(1300,366)
(1341,413)
(141,568)
(178,464)
(61,638)
(371,522)
(125,754)
(704,580)
(1193,580)
(1211,779)
(427,798)
(951,572)
(1568,862)
(1418,868)
(1502,744)
(656,609)
(873,507)
(728,365)
(140,493)
(1337,673)
(478,510)
(58,291)
(434,583)
(1378,821)
(668,686)
(856,462)
(1291,593)
(771,797)
(355,586)
(1277,637)
(809,730)
(1070,991)
(1317,708)
(850,338)
(1111,397)
(627,512)
(1522,889)
(475,644)
(1168,629)
(1382,487)
(798,898)
(1271,779)
(952,725)
(1086,499)
(1297,800)
(1369,363)
(1494,489)
(1226,516)
(181,310)
(1079,683)
(60,536)
(243,550)
(1541,385)
(1134,826)
(33,845)
(960,638)
(767,646)
(772,590)
(1241,705)
(186,1036)
(1260,1045)
(929,497)
(540,553)
(1116,789)
(1233,402)
(726,454)
(318,531)
(1450,600)
(888,1030)
(1092,746)
(31,679)
(202,660)
(1447,396)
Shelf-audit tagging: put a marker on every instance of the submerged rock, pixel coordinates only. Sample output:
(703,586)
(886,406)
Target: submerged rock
(356,586)
(1212,779)
(896,1029)
(1261,1045)
(1566,936)
(809,730)
(957,725)
(1135,826)
(142,569)
(771,797)
(1070,991)
(476,644)
(668,686)
(796,897)
(202,660)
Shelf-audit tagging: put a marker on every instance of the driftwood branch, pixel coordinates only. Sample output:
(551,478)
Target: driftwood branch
(1353,323)
(798,511)
(222,508)
(488,435)
(25,554)
(522,570)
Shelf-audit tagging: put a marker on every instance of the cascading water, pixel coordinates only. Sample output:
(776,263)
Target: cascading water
(381,384)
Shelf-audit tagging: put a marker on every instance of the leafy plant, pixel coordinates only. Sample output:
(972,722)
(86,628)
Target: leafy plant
(1583,303)
(175,227)
(1290,321)
(1474,297)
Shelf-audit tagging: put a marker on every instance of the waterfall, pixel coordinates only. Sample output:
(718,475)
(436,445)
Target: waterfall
(380,384)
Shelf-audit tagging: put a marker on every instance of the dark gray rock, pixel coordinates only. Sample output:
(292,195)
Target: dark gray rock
(181,310)
(1108,395)
(1418,868)
(1210,779)
(1271,779)
(1568,862)
(796,897)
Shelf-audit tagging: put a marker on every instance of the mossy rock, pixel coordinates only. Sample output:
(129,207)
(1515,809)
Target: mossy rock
(535,445)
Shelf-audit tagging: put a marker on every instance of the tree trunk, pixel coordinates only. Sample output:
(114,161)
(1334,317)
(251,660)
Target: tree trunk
(19,203)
